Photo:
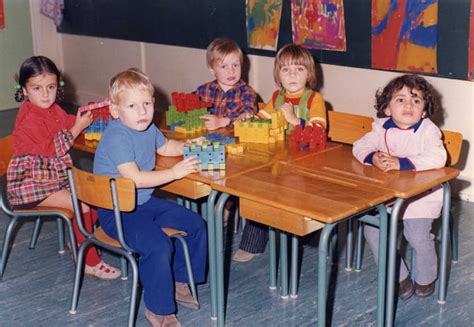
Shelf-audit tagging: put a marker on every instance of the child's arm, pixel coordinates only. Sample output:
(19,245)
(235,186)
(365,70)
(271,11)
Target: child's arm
(147,179)
(317,112)
(366,148)
(82,121)
(213,122)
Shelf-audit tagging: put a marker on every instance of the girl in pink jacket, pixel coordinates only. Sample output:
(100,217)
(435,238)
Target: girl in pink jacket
(404,138)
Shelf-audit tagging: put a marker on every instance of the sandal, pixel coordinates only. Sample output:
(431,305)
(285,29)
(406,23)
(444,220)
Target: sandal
(102,271)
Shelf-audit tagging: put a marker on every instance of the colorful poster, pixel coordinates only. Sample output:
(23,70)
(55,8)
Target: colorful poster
(404,35)
(319,24)
(263,23)
(2,15)
(471,43)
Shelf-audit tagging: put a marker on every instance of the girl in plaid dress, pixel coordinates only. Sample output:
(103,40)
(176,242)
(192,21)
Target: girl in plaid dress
(42,138)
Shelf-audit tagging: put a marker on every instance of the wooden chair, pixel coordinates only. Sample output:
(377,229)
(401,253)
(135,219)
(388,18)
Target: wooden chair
(347,128)
(40,212)
(117,194)
(453,143)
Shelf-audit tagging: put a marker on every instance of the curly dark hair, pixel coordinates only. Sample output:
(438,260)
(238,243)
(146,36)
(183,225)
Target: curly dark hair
(383,97)
(34,66)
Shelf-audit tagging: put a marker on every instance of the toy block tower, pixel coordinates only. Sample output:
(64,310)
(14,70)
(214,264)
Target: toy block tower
(183,115)
(311,137)
(265,131)
(211,155)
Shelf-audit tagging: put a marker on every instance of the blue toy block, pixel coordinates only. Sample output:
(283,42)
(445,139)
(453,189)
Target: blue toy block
(213,137)
(211,155)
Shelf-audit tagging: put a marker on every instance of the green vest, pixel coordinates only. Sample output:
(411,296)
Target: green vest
(301,110)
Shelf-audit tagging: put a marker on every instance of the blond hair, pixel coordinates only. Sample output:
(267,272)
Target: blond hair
(132,78)
(220,48)
(292,54)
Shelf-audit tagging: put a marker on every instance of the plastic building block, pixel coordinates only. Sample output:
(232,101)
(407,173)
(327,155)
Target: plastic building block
(235,148)
(184,114)
(94,105)
(100,119)
(266,131)
(219,137)
(211,155)
(311,137)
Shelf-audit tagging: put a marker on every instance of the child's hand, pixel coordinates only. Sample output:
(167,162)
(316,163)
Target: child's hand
(244,116)
(83,120)
(213,122)
(199,140)
(184,167)
(287,109)
(385,162)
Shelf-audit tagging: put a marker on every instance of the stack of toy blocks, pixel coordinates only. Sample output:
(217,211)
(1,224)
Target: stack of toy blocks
(311,137)
(266,131)
(184,114)
(100,119)
(211,155)
(235,148)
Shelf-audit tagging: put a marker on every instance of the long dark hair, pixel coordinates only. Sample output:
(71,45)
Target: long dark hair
(35,66)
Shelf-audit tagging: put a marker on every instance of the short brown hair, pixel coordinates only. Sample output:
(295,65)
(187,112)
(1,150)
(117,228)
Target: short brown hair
(132,78)
(221,47)
(383,97)
(295,55)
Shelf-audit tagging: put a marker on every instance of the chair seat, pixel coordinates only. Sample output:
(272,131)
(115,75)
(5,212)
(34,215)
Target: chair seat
(103,237)
(68,213)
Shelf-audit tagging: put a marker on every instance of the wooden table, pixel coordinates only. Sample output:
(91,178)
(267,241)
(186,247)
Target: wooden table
(404,184)
(298,201)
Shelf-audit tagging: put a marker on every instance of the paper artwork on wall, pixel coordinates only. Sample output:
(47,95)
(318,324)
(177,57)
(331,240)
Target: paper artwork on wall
(404,35)
(319,24)
(471,43)
(263,23)
(2,15)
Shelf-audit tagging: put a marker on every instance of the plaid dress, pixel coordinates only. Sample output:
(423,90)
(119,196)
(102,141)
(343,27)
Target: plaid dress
(41,142)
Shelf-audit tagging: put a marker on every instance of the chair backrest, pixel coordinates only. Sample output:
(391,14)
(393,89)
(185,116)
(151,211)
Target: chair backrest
(96,190)
(453,144)
(6,153)
(347,128)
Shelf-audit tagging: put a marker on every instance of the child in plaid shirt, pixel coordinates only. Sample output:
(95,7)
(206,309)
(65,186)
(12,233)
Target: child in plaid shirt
(42,138)
(232,98)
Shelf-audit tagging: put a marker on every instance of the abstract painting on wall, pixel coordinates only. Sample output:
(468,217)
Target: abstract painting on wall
(319,24)
(404,35)
(2,15)
(263,23)
(471,43)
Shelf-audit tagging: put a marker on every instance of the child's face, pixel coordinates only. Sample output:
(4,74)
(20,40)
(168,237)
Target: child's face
(227,71)
(293,78)
(41,90)
(406,108)
(134,108)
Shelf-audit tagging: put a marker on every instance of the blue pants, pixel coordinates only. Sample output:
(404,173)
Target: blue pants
(161,259)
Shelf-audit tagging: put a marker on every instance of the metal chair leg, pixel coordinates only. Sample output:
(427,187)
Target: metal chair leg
(6,243)
(124,268)
(453,238)
(272,249)
(188,265)
(133,299)
(349,244)
(35,233)
(77,276)
(60,225)
(294,267)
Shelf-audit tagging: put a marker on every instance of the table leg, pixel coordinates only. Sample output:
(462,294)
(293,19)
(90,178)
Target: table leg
(294,267)
(211,241)
(272,249)
(392,256)
(322,273)
(284,264)
(382,267)
(443,269)
(349,244)
(220,258)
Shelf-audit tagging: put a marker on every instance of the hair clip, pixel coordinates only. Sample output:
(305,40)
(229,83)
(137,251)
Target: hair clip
(61,83)
(17,86)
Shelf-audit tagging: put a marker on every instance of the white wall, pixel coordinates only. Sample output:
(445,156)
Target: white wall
(90,62)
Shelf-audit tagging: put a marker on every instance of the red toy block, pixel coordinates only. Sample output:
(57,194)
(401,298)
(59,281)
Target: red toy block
(310,137)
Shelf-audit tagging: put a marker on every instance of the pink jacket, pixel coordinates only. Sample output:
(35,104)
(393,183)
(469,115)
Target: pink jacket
(421,146)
